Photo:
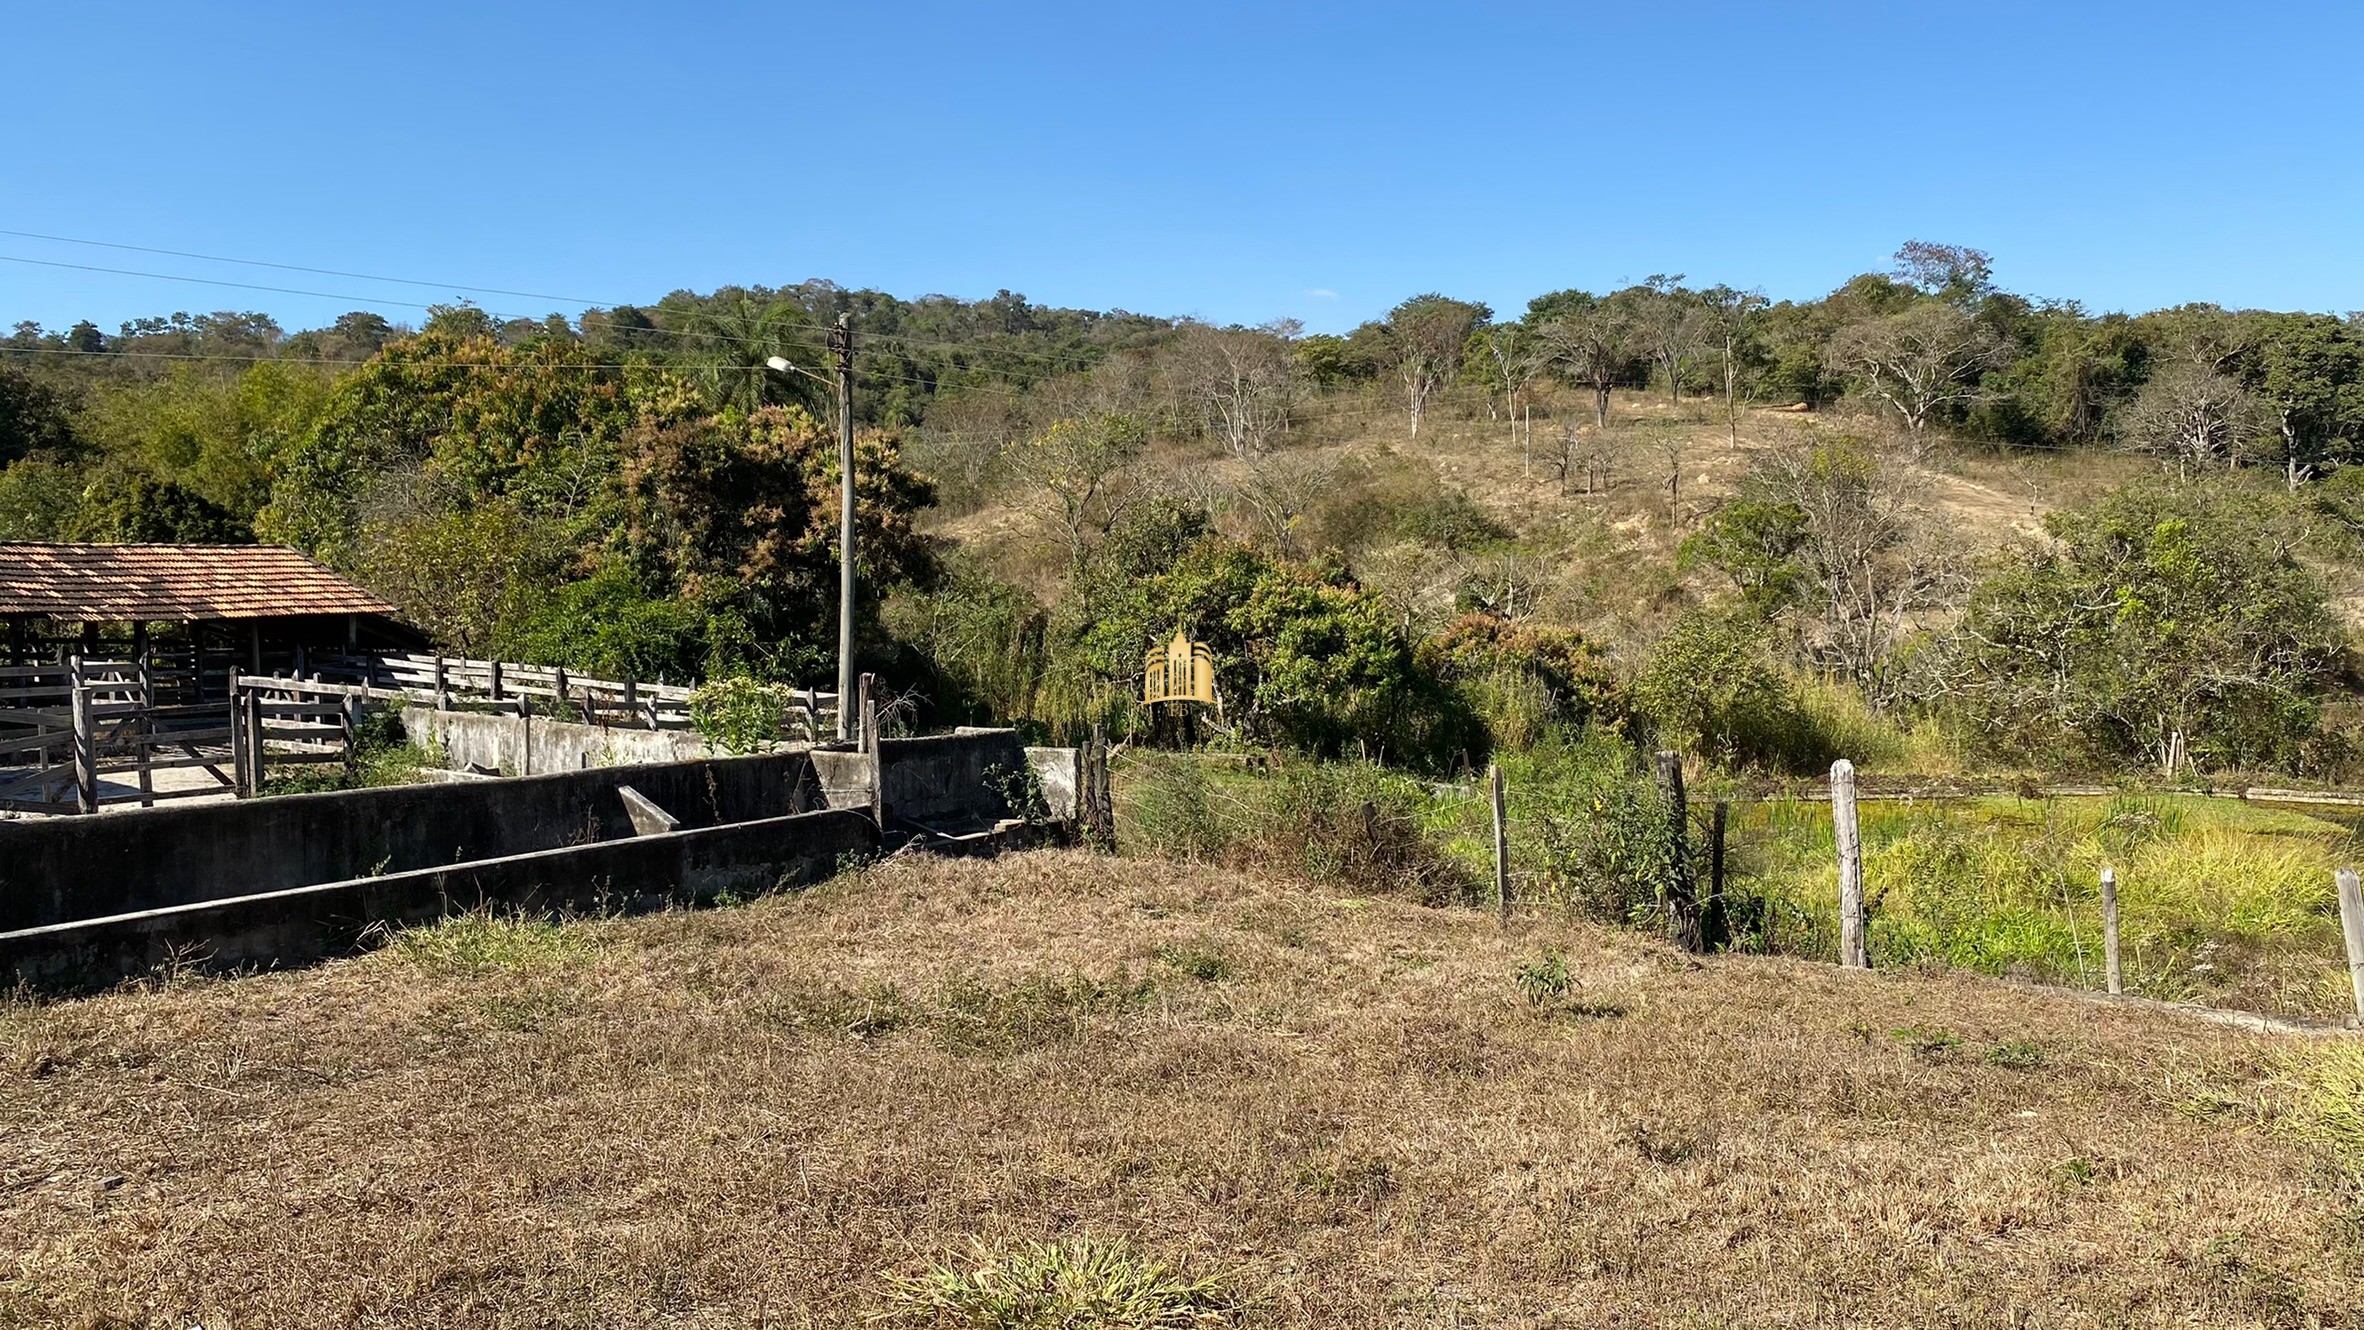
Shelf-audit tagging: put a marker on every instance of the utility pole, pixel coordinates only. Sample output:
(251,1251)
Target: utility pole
(841,341)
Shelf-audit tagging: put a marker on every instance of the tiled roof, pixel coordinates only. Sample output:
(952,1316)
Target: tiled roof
(172,583)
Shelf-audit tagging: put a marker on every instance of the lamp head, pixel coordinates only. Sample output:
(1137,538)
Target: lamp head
(780,363)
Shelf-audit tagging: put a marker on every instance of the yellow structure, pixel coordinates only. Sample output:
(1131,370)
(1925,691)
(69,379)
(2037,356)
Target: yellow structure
(1179,671)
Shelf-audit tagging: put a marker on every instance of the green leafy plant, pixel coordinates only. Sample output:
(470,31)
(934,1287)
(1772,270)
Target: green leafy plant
(1546,980)
(742,714)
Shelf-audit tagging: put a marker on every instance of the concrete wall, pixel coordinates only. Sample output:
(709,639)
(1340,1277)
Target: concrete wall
(58,869)
(311,922)
(530,745)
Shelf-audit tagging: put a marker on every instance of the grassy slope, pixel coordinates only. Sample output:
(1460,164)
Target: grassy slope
(745,1117)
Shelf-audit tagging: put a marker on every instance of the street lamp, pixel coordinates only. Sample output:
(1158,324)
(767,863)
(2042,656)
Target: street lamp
(841,340)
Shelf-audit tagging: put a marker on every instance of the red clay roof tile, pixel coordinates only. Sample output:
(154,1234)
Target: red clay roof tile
(172,583)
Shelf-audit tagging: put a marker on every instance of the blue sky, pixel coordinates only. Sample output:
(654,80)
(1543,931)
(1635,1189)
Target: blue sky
(1236,162)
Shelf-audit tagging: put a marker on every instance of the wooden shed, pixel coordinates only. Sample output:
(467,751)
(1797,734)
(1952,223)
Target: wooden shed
(193,612)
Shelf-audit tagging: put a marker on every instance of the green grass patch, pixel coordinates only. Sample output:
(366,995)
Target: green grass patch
(481,943)
(1079,1285)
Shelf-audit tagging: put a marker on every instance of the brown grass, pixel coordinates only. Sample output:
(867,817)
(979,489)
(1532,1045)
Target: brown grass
(757,1116)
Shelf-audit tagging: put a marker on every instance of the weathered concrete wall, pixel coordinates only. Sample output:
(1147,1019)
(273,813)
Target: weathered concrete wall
(1060,771)
(60,869)
(312,922)
(953,779)
(530,745)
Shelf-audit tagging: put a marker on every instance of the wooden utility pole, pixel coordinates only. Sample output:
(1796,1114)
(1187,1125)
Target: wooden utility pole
(1681,890)
(2109,932)
(1501,846)
(1852,949)
(2351,926)
(841,341)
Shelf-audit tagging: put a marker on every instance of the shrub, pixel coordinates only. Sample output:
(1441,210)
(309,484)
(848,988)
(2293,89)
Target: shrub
(1522,679)
(1709,688)
(2155,610)
(1602,828)
(743,715)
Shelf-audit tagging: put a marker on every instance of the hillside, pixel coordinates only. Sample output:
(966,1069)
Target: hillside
(1344,1107)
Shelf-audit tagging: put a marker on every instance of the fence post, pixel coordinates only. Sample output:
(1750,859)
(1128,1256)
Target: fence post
(2351,926)
(241,779)
(869,741)
(349,719)
(1501,844)
(2115,978)
(1853,951)
(1716,919)
(558,698)
(496,681)
(442,687)
(85,747)
(1681,890)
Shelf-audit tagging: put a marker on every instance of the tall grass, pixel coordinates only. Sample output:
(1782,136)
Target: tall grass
(2218,902)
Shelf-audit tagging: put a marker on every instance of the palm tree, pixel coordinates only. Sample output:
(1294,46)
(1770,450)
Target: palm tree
(731,339)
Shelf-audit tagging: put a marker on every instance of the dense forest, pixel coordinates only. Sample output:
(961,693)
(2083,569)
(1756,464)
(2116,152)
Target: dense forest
(632,491)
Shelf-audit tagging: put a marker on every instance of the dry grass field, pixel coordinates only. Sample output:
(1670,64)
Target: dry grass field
(1350,1113)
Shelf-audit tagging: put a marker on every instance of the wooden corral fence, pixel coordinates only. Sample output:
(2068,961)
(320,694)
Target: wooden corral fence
(458,682)
(290,722)
(65,728)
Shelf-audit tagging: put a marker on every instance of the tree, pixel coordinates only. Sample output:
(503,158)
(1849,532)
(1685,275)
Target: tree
(1590,337)
(1081,468)
(734,341)
(1867,577)
(1508,358)
(1243,380)
(34,417)
(2155,612)
(1729,325)
(1918,361)
(2307,374)
(1280,490)
(1670,324)
(1956,274)
(1425,338)
(2190,415)
(139,507)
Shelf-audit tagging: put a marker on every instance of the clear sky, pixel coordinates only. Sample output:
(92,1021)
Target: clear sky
(1239,162)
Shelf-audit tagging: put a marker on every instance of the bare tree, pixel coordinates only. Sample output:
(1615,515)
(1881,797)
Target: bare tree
(1591,452)
(1516,357)
(1730,319)
(1280,490)
(1876,572)
(1592,340)
(1082,469)
(1918,360)
(1671,325)
(1426,337)
(2192,415)
(1667,445)
(1244,381)
(1951,272)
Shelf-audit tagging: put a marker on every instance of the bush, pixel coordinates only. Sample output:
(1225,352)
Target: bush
(1709,688)
(2156,610)
(743,715)
(1601,825)
(1523,679)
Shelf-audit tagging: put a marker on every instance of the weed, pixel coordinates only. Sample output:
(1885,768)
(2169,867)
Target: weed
(2015,1055)
(1929,1043)
(869,1014)
(2074,1171)
(1083,1284)
(1545,980)
(482,943)
(1201,960)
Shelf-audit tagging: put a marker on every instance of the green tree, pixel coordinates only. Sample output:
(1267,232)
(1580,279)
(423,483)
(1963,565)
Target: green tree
(2155,611)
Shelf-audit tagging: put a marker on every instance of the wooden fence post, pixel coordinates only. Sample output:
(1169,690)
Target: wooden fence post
(442,687)
(1095,803)
(2351,926)
(1501,845)
(349,719)
(85,746)
(241,778)
(2113,976)
(869,742)
(1715,916)
(496,681)
(1681,890)
(1853,950)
